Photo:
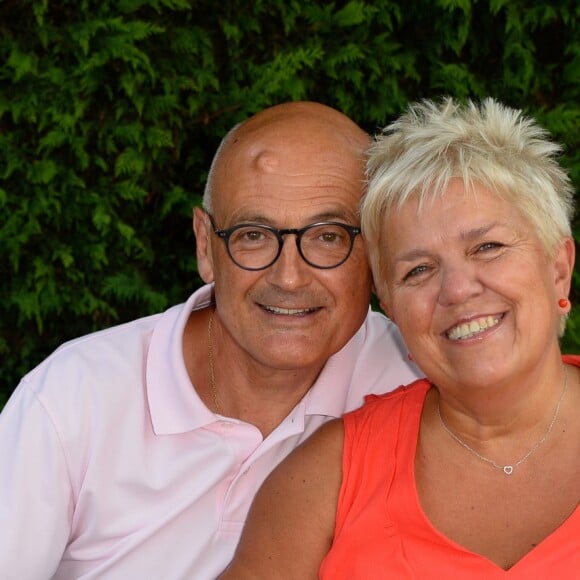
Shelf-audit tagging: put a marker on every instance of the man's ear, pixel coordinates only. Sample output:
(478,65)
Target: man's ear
(564,266)
(201,229)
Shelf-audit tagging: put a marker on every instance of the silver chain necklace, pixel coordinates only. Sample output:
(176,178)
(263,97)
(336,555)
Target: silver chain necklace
(508,469)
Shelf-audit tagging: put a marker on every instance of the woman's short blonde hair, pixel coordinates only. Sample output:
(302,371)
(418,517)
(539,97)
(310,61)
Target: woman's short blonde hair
(488,144)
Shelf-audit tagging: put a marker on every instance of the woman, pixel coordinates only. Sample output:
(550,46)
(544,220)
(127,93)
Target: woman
(475,472)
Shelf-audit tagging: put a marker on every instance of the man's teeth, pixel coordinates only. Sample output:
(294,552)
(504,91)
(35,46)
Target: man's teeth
(288,311)
(471,328)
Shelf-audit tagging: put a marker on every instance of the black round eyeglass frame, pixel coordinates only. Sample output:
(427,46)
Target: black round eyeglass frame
(225,235)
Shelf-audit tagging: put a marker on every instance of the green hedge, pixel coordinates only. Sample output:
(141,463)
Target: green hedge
(110,112)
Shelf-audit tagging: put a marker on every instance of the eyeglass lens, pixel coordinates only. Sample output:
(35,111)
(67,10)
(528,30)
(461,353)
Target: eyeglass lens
(325,246)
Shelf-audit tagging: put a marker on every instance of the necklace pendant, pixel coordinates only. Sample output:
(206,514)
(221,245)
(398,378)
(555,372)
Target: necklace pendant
(508,469)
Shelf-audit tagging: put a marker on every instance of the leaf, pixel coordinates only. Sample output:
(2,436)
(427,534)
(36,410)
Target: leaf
(351,14)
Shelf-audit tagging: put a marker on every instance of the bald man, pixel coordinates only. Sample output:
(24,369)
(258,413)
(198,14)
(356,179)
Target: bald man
(135,452)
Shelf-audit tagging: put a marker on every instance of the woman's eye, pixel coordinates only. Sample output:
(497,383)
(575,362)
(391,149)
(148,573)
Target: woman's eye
(488,246)
(416,271)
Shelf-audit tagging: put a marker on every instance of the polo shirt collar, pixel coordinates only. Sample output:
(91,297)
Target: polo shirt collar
(328,395)
(174,404)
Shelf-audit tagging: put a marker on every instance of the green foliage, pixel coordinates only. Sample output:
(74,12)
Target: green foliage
(110,113)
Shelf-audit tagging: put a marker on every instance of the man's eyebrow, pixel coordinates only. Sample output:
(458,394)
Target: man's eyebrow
(250,219)
(333,215)
(325,216)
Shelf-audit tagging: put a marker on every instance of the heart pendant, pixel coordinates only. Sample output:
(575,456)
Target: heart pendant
(508,469)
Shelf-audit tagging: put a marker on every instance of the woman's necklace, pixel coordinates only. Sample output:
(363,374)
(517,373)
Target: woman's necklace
(508,469)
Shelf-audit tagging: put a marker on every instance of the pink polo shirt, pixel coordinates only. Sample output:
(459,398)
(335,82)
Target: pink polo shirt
(112,467)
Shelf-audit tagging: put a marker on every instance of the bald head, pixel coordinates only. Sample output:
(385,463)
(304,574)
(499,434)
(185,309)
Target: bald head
(287,169)
(293,138)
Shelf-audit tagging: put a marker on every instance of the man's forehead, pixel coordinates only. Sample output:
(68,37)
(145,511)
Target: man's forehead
(266,161)
(291,150)
(288,159)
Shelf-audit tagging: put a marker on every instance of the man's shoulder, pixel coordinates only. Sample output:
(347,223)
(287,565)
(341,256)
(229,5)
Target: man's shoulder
(377,322)
(122,342)
(374,361)
(107,340)
(382,350)
(106,357)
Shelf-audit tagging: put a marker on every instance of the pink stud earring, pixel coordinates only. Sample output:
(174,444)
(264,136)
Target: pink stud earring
(563,303)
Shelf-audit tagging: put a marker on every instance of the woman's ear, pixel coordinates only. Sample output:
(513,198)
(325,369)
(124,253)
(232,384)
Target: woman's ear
(201,229)
(386,309)
(564,266)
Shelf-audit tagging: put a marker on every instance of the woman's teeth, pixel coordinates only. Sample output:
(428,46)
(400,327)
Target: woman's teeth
(472,328)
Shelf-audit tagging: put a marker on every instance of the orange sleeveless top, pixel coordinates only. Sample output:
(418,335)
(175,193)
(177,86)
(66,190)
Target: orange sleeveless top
(381,530)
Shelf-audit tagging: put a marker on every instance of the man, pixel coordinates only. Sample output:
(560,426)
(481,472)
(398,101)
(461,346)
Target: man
(135,452)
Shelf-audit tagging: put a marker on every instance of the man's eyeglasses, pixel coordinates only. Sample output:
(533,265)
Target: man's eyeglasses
(256,246)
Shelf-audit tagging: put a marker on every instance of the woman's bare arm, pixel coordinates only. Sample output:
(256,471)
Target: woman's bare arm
(290,526)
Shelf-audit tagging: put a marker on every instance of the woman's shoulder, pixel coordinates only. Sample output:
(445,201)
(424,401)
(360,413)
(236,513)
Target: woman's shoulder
(382,415)
(388,402)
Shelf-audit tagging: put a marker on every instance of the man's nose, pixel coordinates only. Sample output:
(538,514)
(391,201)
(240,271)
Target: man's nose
(289,271)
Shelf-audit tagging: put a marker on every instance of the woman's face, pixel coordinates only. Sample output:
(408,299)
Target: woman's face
(471,288)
